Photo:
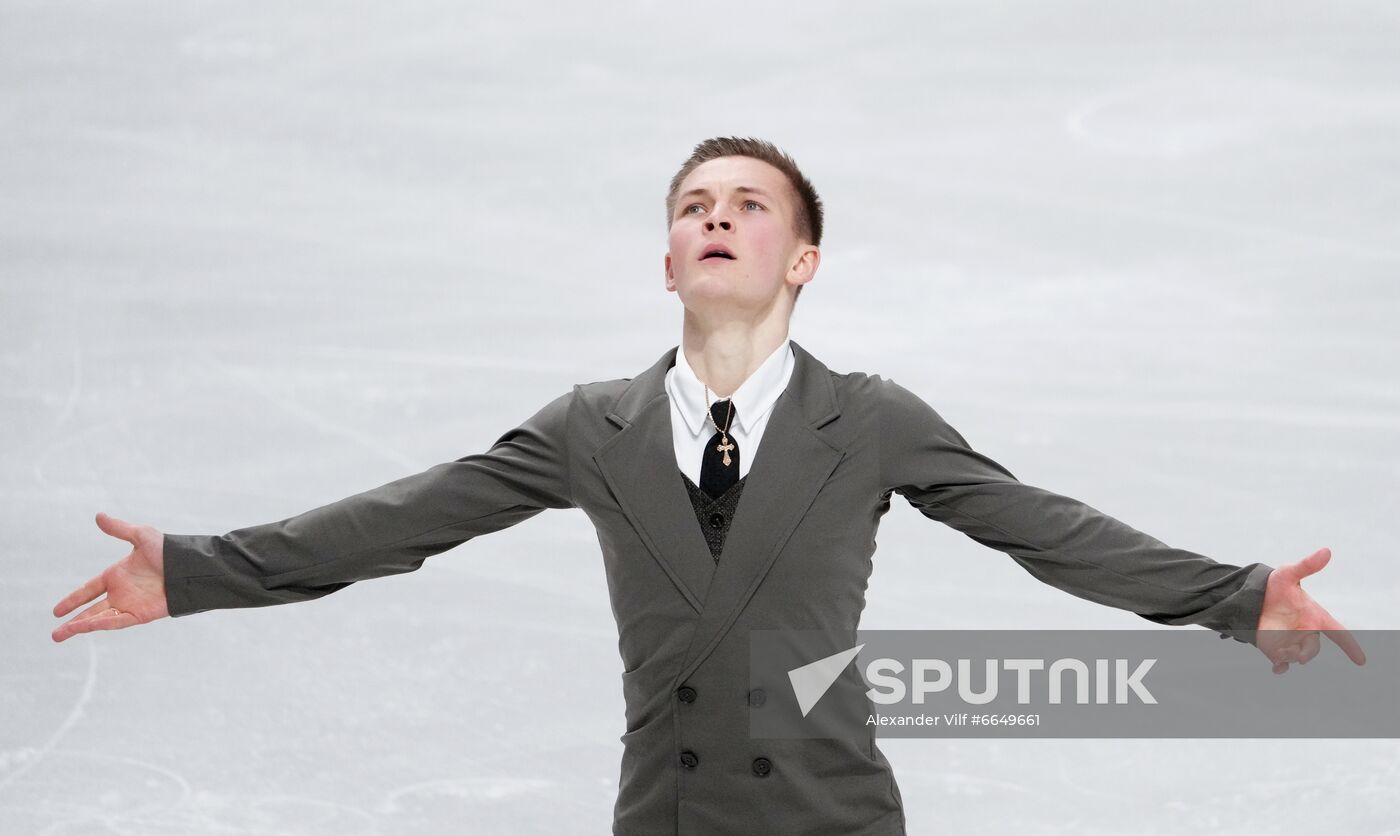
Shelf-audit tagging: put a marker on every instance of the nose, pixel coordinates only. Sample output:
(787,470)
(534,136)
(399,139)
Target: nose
(722,223)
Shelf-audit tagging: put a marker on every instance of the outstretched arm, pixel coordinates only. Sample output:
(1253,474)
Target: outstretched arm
(388,530)
(1073,546)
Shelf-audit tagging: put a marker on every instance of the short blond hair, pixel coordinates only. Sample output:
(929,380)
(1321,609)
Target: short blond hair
(807,221)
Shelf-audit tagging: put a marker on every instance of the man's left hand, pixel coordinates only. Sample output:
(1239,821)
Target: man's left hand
(1288,608)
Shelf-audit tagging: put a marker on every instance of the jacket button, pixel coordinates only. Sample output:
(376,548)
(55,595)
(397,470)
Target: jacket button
(686,694)
(762,766)
(716,520)
(689,759)
(757,697)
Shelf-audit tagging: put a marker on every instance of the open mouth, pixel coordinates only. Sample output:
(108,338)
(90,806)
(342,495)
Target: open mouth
(717,252)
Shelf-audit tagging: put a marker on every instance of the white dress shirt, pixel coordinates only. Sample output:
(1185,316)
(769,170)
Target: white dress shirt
(753,403)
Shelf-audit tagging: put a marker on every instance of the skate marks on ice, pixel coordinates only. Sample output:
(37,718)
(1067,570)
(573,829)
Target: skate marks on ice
(1092,788)
(142,798)
(17,762)
(1205,112)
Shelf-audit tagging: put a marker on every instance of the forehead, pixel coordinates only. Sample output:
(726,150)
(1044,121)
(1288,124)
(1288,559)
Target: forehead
(728,173)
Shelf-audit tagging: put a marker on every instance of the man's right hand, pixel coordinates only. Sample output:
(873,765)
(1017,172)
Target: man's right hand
(135,585)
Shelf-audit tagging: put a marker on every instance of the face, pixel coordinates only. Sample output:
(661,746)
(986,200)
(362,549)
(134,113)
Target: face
(745,208)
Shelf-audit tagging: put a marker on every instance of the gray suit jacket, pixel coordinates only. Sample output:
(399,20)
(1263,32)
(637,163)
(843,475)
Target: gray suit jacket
(798,556)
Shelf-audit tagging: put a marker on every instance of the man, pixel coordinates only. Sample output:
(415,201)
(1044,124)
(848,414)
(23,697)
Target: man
(736,484)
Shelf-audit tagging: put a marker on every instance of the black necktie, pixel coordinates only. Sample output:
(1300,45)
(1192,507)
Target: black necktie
(719,469)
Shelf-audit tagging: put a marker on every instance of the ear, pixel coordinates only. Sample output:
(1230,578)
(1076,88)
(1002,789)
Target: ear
(804,267)
(670,275)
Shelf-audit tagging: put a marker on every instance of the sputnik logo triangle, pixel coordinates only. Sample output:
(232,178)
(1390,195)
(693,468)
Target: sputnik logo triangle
(812,680)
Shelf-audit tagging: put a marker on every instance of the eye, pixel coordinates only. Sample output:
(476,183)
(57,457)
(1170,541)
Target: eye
(687,209)
(749,203)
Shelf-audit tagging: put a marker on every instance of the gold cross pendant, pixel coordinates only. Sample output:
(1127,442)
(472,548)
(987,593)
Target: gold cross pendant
(725,448)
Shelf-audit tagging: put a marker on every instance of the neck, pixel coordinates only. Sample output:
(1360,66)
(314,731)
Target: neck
(725,354)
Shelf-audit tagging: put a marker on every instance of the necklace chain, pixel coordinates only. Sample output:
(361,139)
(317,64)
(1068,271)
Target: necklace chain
(724,445)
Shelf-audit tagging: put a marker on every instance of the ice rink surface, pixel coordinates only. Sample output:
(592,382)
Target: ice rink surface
(257,257)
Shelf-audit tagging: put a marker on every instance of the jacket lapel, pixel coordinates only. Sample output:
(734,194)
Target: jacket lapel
(793,461)
(639,465)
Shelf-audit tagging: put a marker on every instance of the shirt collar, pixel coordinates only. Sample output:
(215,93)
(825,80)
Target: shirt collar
(752,400)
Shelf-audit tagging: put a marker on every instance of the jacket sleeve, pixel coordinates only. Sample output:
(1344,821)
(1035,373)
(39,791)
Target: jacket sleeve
(1061,541)
(388,530)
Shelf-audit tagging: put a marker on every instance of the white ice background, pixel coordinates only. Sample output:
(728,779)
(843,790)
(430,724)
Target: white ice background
(255,257)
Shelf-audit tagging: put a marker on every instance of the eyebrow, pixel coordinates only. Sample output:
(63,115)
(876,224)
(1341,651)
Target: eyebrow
(706,192)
